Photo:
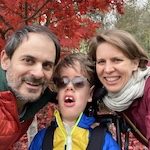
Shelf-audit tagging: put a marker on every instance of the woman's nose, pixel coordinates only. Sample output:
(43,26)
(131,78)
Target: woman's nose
(108,68)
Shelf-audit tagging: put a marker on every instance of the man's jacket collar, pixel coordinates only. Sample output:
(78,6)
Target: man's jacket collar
(3,81)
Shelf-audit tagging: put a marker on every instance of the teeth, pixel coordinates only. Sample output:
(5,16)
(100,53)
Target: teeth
(68,98)
(34,84)
(112,79)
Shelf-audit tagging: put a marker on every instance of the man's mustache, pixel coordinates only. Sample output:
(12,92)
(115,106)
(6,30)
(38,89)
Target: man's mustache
(34,80)
(31,79)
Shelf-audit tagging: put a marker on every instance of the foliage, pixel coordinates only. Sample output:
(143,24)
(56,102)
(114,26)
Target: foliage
(68,19)
(136,21)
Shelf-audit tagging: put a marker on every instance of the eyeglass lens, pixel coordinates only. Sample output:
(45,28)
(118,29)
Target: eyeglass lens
(78,82)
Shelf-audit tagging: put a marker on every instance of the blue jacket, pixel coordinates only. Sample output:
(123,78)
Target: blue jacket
(80,129)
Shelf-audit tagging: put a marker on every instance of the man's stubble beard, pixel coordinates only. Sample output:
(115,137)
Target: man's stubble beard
(14,84)
(23,98)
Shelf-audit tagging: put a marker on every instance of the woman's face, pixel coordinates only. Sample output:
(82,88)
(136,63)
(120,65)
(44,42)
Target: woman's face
(113,68)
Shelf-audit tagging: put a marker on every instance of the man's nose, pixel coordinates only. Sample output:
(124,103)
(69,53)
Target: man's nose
(37,71)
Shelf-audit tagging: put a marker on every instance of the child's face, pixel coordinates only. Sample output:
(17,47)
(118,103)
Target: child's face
(72,99)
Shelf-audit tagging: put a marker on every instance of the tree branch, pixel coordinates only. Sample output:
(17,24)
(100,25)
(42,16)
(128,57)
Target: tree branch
(37,11)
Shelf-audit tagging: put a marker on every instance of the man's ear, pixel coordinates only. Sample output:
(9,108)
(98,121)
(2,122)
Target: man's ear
(91,94)
(5,60)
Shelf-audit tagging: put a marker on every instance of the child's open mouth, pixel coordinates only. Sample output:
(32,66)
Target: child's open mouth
(69,101)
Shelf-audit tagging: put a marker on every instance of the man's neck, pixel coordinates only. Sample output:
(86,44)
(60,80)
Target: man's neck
(20,106)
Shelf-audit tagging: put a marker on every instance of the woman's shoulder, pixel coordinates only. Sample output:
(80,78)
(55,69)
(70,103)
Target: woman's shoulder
(148,80)
(147,85)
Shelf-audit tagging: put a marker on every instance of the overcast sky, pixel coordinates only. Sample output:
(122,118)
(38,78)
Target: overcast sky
(141,3)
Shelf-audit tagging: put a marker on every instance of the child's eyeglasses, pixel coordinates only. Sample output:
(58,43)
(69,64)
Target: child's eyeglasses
(78,82)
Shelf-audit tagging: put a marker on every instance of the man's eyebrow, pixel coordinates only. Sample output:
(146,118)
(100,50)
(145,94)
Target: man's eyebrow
(28,56)
(46,61)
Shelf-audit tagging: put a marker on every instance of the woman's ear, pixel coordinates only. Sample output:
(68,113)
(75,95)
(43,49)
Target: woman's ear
(91,94)
(5,60)
(135,64)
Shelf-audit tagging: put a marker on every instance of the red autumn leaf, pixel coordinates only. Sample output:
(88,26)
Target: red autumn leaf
(66,18)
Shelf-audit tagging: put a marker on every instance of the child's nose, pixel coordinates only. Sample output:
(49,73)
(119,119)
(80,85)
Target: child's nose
(70,86)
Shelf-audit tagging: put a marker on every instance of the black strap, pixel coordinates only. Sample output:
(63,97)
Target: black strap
(96,141)
(49,136)
(97,138)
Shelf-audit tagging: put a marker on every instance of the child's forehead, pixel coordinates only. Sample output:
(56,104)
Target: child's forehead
(76,67)
(72,65)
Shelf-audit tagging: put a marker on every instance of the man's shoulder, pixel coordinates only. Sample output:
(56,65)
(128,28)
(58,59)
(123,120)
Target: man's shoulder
(34,107)
(8,99)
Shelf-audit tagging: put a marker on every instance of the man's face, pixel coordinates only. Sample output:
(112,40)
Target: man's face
(29,70)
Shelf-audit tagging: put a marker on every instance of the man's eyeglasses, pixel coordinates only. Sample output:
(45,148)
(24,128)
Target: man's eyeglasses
(78,82)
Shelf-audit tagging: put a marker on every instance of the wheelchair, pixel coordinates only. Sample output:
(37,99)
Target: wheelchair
(120,125)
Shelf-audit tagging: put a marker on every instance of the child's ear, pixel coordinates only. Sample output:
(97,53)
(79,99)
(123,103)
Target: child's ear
(91,93)
(57,97)
(5,60)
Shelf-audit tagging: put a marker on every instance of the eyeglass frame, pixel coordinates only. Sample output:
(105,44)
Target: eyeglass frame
(60,83)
